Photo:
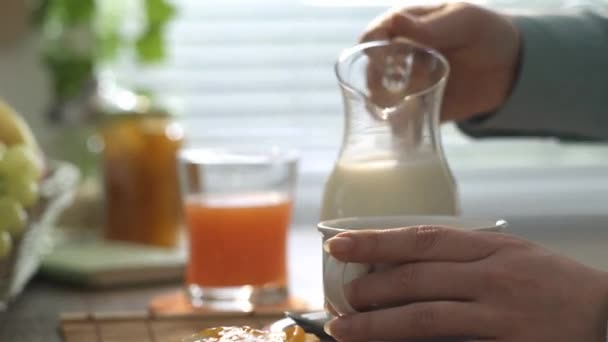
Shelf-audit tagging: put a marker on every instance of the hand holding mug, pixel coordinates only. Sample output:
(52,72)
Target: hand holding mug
(475,285)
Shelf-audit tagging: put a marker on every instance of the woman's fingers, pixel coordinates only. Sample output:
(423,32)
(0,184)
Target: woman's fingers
(421,11)
(441,27)
(414,282)
(400,22)
(412,244)
(416,321)
(379,29)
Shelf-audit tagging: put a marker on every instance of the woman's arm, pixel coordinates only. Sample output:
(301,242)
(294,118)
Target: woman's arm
(562,86)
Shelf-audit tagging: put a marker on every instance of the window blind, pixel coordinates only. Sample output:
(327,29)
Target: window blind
(254,73)
(261,72)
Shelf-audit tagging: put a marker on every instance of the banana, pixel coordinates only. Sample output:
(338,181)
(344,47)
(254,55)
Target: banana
(14,130)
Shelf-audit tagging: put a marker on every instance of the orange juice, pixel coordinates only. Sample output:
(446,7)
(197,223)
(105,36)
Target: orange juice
(238,240)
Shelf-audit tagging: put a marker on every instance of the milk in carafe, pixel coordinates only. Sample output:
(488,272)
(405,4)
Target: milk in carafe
(377,186)
(391,161)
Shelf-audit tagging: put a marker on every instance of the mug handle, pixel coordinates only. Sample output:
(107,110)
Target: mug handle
(337,274)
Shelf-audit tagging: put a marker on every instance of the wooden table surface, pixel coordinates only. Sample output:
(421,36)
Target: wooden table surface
(34,316)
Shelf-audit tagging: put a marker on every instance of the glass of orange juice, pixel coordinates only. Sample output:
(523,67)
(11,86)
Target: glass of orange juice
(238,210)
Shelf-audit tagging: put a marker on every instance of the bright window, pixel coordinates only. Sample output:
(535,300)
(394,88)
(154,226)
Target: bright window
(234,66)
(261,72)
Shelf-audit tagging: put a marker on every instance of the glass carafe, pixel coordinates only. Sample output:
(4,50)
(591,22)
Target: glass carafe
(391,161)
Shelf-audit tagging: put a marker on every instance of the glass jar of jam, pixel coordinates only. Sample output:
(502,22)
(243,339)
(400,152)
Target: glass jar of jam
(142,202)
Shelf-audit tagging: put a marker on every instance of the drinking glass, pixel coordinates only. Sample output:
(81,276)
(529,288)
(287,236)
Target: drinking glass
(238,207)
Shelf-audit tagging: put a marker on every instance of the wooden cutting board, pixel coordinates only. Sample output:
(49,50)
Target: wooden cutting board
(147,327)
(169,318)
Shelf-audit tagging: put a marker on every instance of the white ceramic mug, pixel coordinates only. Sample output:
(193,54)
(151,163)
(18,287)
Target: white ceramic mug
(337,274)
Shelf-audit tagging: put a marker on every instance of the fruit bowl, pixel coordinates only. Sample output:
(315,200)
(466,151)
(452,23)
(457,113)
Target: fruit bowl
(57,191)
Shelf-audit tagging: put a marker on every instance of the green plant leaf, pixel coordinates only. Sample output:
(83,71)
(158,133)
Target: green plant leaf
(72,12)
(70,74)
(150,46)
(159,12)
(69,67)
(108,45)
(40,10)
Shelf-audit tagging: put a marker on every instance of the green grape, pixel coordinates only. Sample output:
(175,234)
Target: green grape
(23,191)
(19,161)
(13,217)
(6,244)
(3,185)
(2,177)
